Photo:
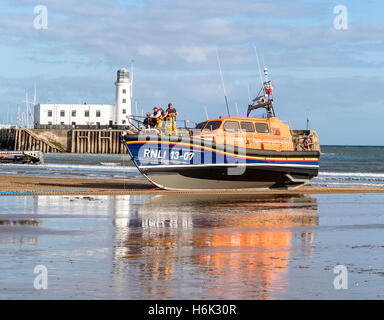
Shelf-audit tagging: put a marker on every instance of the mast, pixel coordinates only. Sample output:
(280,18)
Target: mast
(29,117)
(34,95)
(266,100)
(137,110)
(268,89)
(132,61)
(222,81)
(206,112)
(27,108)
(258,65)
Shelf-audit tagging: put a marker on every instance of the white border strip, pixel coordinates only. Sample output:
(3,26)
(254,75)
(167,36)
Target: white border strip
(229,165)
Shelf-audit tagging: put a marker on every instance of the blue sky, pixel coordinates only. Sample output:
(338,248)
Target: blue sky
(334,77)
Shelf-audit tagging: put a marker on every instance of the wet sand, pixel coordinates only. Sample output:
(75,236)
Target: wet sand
(10,185)
(196,246)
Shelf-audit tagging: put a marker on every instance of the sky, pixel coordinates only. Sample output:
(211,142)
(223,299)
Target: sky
(333,77)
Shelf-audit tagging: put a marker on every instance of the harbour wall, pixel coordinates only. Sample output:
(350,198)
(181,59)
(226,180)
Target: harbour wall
(61,140)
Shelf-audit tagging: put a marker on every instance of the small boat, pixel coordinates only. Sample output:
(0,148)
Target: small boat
(229,153)
(21,157)
(110,164)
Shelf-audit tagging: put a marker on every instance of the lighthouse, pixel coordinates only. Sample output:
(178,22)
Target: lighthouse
(91,115)
(123,106)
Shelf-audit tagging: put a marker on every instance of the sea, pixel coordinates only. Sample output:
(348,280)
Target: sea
(340,166)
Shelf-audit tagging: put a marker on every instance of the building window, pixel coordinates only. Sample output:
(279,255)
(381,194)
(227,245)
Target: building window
(62,113)
(98,114)
(124,100)
(124,111)
(73,113)
(124,91)
(123,121)
(49,123)
(86,113)
(49,113)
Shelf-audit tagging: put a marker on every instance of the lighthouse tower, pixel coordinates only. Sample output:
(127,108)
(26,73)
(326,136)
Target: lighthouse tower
(123,107)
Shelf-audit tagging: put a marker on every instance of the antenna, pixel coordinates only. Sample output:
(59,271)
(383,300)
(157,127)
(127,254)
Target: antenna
(29,117)
(132,61)
(18,116)
(27,108)
(206,112)
(258,65)
(266,74)
(137,111)
(34,95)
(249,93)
(222,81)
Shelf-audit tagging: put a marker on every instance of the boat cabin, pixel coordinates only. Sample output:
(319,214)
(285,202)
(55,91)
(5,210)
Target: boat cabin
(247,132)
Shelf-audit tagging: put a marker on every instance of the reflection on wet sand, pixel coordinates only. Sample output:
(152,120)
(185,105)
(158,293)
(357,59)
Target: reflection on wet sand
(191,247)
(8,234)
(237,246)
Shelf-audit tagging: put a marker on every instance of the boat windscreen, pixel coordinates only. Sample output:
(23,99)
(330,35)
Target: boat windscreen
(201,125)
(212,125)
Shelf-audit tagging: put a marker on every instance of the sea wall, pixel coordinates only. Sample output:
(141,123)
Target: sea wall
(61,140)
(7,139)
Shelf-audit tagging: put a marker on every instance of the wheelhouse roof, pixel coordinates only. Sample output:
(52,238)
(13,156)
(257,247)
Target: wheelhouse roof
(238,118)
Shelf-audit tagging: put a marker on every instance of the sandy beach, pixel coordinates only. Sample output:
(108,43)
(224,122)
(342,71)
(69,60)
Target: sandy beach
(46,185)
(195,246)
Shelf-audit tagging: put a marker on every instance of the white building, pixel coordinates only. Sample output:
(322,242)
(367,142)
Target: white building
(90,114)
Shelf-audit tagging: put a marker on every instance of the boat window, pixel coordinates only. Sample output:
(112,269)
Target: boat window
(212,125)
(200,125)
(231,126)
(247,126)
(261,127)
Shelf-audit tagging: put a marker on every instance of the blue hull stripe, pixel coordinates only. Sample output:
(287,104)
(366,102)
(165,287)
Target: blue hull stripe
(154,154)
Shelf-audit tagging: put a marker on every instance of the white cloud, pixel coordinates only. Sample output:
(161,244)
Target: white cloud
(150,51)
(193,54)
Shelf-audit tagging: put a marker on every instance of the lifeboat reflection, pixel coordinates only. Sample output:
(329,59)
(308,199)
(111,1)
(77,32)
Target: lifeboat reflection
(250,251)
(235,240)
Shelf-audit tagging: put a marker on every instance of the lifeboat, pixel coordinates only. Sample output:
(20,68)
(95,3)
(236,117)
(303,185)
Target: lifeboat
(229,153)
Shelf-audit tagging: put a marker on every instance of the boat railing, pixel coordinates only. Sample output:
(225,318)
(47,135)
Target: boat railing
(138,122)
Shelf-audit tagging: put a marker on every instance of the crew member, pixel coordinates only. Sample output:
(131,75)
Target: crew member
(163,114)
(157,117)
(171,116)
(148,122)
(164,119)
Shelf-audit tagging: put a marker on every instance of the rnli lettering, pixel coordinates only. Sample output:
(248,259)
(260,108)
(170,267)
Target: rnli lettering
(173,155)
(179,155)
(155,153)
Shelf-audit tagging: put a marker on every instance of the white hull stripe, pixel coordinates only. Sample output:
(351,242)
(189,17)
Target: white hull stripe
(230,165)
